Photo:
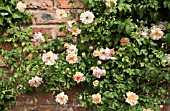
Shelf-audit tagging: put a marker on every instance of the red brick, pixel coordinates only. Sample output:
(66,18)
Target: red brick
(43,30)
(40,4)
(25,108)
(46,109)
(46,99)
(66,4)
(47,18)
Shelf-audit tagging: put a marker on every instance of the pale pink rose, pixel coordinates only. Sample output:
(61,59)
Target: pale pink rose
(132,98)
(161,106)
(35,81)
(78,77)
(95,83)
(21,6)
(156,33)
(49,58)
(72,58)
(60,13)
(96,98)
(104,54)
(61,98)
(71,49)
(67,69)
(96,53)
(38,39)
(97,72)
(83,54)
(99,62)
(112,51)
(75,31)
(147,109)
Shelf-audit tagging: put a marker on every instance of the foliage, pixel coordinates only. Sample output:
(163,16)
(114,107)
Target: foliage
(138,62)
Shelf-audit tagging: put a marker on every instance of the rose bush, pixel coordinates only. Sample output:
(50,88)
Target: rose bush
(118,50)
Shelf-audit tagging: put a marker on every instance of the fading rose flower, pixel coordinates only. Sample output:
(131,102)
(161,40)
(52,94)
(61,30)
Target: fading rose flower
(96,53)
(108,2)
(70,24)
(83,54)
(92,68)
(60,13)
(71,49)
(72,58)
(87,17)
(78,77)
(61,98)
(66,45)
(38,39)
(147,109)
(75,31)
(163,25)
(96,98)
(35,81)
(95,83)
(144,31)
(97,72)
(156,33)
(124,41)
(49,58)
(21,6)
(132,98)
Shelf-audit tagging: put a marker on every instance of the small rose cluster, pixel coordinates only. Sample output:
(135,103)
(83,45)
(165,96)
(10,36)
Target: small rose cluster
(156,32)
(97,72)
(104,54)
(71,52)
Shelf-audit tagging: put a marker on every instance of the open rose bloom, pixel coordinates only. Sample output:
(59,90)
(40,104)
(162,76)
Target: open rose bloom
(87,17)
(78,77)
(71,49)
(156,33)
(132,98)
(35,81)
(95,83)
(38,38)
(96,98)
(61,98)
(72,58)
(21,6)
(49,58)
(60,13)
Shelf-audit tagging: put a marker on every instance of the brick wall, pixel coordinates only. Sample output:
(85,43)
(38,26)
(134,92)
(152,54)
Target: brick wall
(45,21)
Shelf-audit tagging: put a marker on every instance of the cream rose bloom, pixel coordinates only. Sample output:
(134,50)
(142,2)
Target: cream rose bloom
(87,17)
(21,6)
(60,13)
(96,98)
(49,58)
(61,98)
(132,98)
(95,83)
(75,31)
(35,81)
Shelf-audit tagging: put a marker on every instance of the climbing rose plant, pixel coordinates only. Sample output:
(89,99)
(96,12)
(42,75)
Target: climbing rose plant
(117,51)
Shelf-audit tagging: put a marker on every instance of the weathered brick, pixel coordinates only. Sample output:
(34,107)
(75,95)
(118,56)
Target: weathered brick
(46,109)
(61,34)
(26,100)
(46,99)
(44,17)
(40,4)
(66,4)
(25,108)
(42,29)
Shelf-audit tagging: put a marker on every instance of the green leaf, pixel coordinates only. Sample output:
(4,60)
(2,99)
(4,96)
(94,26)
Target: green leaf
(128,29)
(16,15)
